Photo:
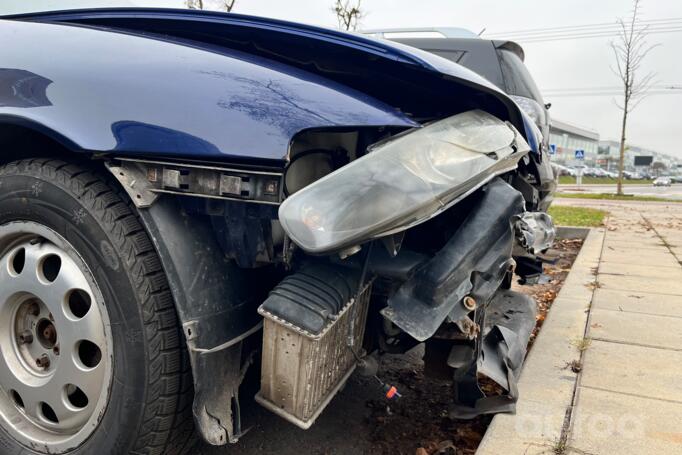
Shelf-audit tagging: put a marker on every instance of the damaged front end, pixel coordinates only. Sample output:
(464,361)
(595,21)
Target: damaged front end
(375,248)
(343,196)
(449,180)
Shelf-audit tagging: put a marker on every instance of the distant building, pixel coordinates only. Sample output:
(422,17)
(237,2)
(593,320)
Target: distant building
(609,151)
(565,139)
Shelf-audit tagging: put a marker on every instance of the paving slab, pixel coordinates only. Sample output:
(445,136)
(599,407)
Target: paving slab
(647,237)
(639,256)
(636,328)
(637,302)
(614,268)
(612,423)
(637,370)
(673,237)
(656,285)
(653,244)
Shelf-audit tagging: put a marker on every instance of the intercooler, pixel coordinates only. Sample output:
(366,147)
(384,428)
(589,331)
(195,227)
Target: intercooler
(309,320)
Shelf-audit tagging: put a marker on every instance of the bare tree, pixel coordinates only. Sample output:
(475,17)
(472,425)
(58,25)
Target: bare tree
(630,49)
(225,5)
(348,13)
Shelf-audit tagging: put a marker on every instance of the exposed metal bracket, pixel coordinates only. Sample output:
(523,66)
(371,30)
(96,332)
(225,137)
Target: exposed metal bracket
(145,180)
(133,178)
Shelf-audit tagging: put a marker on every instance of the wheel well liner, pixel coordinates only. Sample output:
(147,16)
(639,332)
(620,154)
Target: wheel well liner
(22,138)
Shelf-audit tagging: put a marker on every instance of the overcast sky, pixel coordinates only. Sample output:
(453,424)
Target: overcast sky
(656,123)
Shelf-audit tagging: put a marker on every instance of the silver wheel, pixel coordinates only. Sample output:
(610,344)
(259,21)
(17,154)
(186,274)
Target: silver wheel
(55,341)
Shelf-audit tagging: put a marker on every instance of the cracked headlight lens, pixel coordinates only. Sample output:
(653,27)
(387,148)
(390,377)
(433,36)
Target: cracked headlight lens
(401,182)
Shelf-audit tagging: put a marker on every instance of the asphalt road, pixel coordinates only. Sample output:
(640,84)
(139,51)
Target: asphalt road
(344,428)
(668,192)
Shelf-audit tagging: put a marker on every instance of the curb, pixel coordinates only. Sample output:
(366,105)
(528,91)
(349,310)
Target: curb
(547,383)
(572,232)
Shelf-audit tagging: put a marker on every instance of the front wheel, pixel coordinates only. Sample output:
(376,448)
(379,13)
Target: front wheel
(92,357)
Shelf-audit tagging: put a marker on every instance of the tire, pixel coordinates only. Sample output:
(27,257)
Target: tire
(148,394)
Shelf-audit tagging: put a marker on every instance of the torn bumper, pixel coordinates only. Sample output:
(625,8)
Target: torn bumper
(499,355)
(459,295)
(473,263)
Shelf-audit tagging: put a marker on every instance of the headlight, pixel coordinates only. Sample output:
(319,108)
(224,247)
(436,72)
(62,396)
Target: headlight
(531,107)
(401,182)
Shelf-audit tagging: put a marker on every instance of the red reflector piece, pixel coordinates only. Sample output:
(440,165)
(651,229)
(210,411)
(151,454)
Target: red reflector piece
(391,392)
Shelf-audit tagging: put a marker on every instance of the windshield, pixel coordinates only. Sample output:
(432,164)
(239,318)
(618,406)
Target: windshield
(33,6)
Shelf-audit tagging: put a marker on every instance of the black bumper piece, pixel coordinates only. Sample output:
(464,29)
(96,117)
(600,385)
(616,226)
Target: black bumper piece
(474,261)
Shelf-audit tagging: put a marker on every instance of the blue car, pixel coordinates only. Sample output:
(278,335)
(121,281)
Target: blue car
(191,201)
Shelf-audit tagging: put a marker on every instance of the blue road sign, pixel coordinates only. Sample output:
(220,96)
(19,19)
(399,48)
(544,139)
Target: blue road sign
(552,149)
(580,154)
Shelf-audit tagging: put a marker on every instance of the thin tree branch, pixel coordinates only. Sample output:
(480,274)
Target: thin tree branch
(225,5)
(348,14)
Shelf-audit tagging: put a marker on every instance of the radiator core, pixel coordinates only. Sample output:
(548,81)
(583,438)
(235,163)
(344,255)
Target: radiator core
(302,372)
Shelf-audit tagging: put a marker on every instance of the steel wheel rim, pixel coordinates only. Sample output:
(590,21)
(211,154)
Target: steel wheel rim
(55,340)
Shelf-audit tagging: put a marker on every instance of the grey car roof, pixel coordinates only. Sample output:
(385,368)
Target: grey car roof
(446,32)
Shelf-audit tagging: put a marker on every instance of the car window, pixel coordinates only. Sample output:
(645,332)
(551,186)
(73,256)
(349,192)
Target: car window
(517,79)
(475,54)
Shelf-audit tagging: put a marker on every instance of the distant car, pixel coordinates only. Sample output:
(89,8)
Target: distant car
(560,170)
(599,172)
(663,181)
(589,171)
(582,170)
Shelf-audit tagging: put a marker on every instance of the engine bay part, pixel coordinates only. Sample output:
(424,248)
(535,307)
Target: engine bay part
(535,231)
(403,181)
(142,177)
(474,262)
(313,326)
(312,299)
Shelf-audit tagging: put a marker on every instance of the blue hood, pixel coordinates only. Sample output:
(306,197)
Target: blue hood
(219,86)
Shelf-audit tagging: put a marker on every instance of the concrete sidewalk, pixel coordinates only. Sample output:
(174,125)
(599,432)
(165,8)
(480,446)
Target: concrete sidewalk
(605,374)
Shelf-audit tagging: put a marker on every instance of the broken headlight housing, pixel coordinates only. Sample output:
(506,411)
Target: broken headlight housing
(401,182)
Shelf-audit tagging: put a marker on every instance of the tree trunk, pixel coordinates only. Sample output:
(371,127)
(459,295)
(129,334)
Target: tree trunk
(621,157)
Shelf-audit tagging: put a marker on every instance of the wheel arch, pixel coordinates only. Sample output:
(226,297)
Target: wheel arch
(83,182)
(21,138)
(215,309)
(215,318)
